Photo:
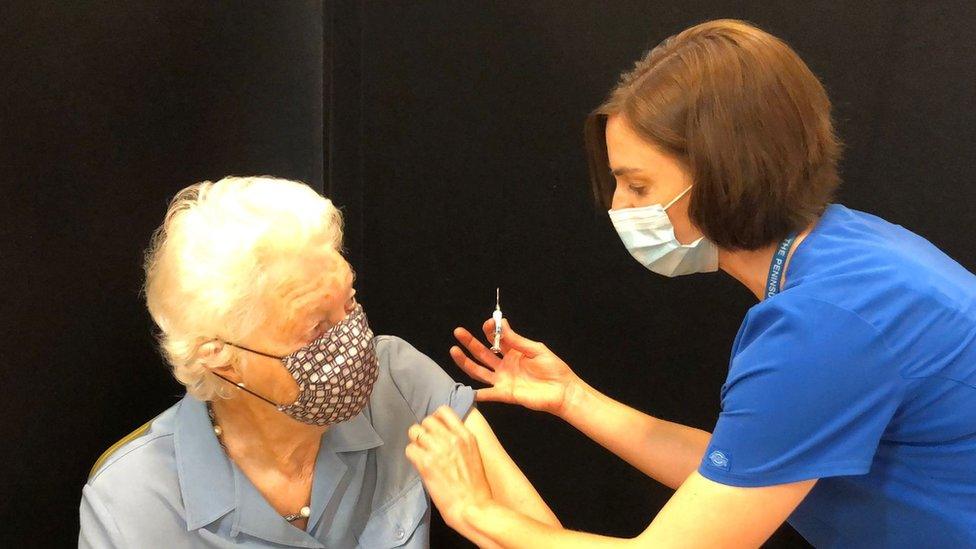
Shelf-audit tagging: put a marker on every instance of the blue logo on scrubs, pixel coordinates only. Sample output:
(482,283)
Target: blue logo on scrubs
(719,459)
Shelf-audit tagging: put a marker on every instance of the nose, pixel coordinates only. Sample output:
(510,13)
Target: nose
(617,201)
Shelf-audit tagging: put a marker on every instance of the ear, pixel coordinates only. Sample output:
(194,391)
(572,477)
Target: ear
(229,371)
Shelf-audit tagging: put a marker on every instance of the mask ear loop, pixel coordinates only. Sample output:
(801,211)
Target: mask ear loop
(677,198)
(245,389)
(252,350)
(241,386)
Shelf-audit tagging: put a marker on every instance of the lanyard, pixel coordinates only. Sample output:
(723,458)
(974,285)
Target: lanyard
(774,280)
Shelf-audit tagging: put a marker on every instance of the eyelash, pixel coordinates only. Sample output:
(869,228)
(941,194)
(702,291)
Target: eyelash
(319,329)
(639,191)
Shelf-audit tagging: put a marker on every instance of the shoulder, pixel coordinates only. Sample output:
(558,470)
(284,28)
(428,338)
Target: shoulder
(390,348)
(803,318)
(416,378)
(141,465)
(148,447)
(802,339)
(135,479)
(406,366)
(799,355)
(864,262)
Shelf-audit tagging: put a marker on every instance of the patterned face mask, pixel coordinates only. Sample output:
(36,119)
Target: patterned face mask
(335,373)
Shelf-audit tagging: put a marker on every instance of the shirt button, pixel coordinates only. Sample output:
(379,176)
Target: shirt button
(399,532)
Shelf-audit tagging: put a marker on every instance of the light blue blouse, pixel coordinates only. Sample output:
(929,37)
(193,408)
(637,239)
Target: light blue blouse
(173,486)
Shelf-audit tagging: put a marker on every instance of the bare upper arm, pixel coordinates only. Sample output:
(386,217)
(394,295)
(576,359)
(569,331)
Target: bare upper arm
(496,460)
(478,425)
(508,484)
(705,513)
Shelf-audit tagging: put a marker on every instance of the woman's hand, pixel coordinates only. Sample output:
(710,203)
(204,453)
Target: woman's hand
(447,456)
(528,372)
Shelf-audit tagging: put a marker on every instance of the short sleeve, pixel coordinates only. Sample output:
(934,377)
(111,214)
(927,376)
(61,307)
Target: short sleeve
(810,392)
(424,385)
(98,527)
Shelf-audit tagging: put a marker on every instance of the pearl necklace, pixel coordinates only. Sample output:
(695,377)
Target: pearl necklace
(303,513)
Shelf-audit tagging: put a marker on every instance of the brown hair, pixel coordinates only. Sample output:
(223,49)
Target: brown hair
(747,118)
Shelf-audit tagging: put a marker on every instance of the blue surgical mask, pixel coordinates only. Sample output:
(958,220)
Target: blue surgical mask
(648,234)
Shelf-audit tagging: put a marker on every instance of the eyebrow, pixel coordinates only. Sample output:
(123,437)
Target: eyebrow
(312,316)
(623,171)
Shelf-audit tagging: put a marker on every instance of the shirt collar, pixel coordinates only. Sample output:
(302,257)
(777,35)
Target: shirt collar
(353,435)
(349,437)
(212,486)
(206,475)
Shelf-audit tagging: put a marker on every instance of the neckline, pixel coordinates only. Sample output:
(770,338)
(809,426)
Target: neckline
(302,513)
(797,261)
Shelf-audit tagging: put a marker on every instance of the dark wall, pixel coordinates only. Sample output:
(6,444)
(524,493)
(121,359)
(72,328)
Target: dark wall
(472,175)
(106,110)
(455,147)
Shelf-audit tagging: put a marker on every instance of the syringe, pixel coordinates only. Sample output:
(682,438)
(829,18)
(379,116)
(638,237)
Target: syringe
(497,317)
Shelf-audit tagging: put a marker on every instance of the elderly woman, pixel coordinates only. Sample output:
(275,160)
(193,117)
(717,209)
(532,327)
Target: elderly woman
(293,429)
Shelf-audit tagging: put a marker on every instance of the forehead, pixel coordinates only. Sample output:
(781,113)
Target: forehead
(323,269)
(307,280)
(627,149)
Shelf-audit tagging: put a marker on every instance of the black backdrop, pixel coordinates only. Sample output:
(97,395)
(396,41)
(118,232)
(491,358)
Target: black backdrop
(106,110)
(451,134)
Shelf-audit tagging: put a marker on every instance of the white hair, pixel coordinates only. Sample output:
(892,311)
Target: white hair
(210,267)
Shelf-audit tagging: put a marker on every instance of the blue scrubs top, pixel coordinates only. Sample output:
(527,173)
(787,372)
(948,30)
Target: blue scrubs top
(861,372)
(174,486)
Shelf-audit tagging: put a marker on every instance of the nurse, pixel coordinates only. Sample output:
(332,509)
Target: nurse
(850,404)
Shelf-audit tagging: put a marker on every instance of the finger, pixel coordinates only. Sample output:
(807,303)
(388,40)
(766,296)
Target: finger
(436,430)
(507,343)
(476,348)
(489,329)
(450,419)
(414,434)
(513,357)
(528,347)
(470,367)
(416,456)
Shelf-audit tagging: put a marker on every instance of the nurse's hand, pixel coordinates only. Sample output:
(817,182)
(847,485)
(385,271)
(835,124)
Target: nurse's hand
(528,372)
(447,457)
